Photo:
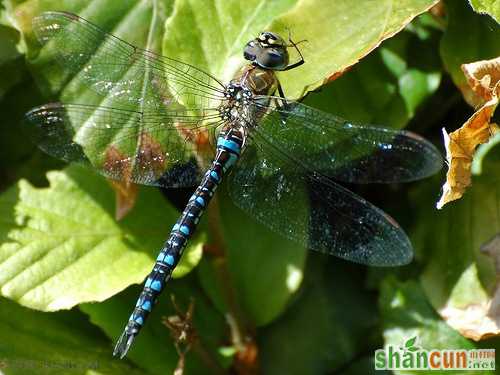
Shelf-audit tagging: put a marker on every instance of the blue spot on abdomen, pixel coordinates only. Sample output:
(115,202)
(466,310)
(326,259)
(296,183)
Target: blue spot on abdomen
(156,285)
(215,176)
(169,259)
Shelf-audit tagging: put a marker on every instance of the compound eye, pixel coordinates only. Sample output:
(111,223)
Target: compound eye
(251,50)
(272,58)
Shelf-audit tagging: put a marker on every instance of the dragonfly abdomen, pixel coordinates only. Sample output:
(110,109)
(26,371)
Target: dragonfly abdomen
(229,147)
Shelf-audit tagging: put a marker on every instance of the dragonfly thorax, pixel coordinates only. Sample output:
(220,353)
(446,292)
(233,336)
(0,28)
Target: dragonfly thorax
(235,108)
(238,93)
(256,80)
(251,85)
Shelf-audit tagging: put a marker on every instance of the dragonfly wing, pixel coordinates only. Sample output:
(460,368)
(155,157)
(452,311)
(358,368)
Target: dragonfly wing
(313,210)
(150,147)
(346,151)
(123,73)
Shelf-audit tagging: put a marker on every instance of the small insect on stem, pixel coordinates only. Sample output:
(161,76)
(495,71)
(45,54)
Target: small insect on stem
(182,331)
(181,325)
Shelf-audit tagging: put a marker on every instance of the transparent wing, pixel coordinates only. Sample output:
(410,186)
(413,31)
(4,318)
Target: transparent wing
(288,197)
(150,147)
(345,151)
(123,73)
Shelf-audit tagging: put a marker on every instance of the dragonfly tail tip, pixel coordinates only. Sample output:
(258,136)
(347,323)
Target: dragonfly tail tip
(123,345)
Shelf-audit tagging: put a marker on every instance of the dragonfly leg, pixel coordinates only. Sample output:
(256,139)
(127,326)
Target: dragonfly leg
(282,104)
(294,45)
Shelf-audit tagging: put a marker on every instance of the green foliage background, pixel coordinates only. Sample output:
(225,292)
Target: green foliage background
(69,273)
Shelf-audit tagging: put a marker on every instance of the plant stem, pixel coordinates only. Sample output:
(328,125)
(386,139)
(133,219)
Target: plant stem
(241,336)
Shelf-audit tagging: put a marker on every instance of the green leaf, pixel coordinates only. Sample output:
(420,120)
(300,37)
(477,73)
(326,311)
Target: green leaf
(61,245)
(389,85)
(33,342)
(326,328)
(211,36)
(20,158)
(406,312)
(265,268)
(343,34)
(228,351)
(469,37)
(10,62)
(491,7)
(340,33)
(137,22)
(8,40)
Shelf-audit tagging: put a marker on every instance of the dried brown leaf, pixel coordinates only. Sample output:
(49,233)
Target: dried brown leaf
(118,165)
(438,10)
(482,77)
(338,74)
(484,80)
(150,159)
(126,196)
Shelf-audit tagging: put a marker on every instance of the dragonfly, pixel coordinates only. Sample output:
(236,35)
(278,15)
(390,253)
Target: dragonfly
(281,159)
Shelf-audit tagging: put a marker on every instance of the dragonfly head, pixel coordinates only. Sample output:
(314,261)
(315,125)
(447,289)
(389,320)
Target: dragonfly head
(268,51)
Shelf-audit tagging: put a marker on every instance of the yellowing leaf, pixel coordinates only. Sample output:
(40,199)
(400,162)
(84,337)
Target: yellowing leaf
(483,78)
(476,321)
(480,320)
